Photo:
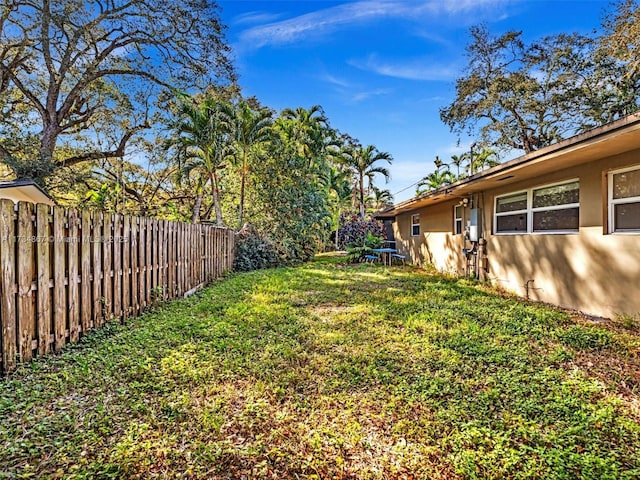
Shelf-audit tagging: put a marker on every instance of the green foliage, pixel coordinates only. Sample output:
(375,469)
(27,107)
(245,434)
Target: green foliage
(328,371)
(523,96)
(587,338)
(356,232)
(253,251)
(91,100)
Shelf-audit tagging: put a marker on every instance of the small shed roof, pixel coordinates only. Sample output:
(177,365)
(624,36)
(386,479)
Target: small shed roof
(24,190)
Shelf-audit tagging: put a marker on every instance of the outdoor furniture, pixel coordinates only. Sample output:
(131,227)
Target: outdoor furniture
(398,257)
(385,254)
(370,258)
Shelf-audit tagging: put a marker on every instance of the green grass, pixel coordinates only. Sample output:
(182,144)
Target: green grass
(332,371)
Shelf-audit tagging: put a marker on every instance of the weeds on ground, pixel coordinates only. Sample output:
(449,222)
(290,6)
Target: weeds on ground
(323,371)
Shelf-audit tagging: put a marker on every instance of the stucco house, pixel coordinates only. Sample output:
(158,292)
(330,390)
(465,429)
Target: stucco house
(559,225)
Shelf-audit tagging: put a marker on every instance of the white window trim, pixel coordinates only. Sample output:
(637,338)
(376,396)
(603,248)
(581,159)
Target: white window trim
(415,224)
(530,210)
(497,214)
(460,218)
(611,202)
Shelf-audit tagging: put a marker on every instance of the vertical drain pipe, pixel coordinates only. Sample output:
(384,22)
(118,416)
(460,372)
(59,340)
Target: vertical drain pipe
(527,287)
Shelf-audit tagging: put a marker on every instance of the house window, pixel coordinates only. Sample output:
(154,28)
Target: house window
(511,213)
(556,208)
(624,200)
(458,213)
(415,225)
(548,209)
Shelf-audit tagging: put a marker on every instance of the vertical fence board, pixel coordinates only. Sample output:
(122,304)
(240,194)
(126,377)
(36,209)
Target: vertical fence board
(97,242)
(72,242)
(170,260)
(59,270)
(148,245)
(116,248)
(161,258)
(86,301)
(26,311)
(134,266)
(127,247)
(152,248)
(44,275)
(7,285)
(107,269)
(142,264)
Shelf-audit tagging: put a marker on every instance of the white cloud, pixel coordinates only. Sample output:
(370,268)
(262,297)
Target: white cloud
(326,20)
(337,81)
(255,18)
(360,96)
(415,69)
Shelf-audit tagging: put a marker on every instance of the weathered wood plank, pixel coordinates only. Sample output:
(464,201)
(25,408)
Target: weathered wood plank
(152,258)
(148,260)
(86,301)
(142,263)
(116,245)
(171,260)
(133,247)
(43,267)
(7,285)
(25,269)
(107,242)
(97,241)
(72,244)
(59,270)
(160,262)
(126,265)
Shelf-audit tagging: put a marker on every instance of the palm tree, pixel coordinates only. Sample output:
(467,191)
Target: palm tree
(339,193)
(434,180)
(486,158)
(458,161)
(361,161)
(379,199)
(251,129)
(202,132)
(308,131)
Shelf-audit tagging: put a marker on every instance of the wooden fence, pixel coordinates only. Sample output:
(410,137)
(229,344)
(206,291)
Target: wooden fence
(67,271)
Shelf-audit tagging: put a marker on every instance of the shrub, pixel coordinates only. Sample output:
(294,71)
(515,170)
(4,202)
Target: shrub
(253,251)
(356,232)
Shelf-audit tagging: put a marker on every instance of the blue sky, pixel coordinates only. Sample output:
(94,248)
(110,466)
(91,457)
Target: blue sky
(381,69)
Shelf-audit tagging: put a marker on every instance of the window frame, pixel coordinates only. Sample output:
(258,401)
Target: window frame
(457,219)
(612,202)
(497,214)
(530,210)
(414,224)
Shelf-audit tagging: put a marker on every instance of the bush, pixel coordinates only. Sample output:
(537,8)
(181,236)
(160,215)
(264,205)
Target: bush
(356,232)
(253,251)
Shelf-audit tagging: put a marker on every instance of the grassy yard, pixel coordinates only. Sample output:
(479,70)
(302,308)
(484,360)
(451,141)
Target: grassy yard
(333,371)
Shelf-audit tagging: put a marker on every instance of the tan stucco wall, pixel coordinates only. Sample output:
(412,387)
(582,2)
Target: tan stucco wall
(591,271)
(436,245)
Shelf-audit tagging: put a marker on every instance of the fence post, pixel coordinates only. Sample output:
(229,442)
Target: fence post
(7,285)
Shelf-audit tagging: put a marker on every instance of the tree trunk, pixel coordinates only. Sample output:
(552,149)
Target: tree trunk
(337,230)
(216,199)
(196,209)
(48,143)
(243,177)
(362,197)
